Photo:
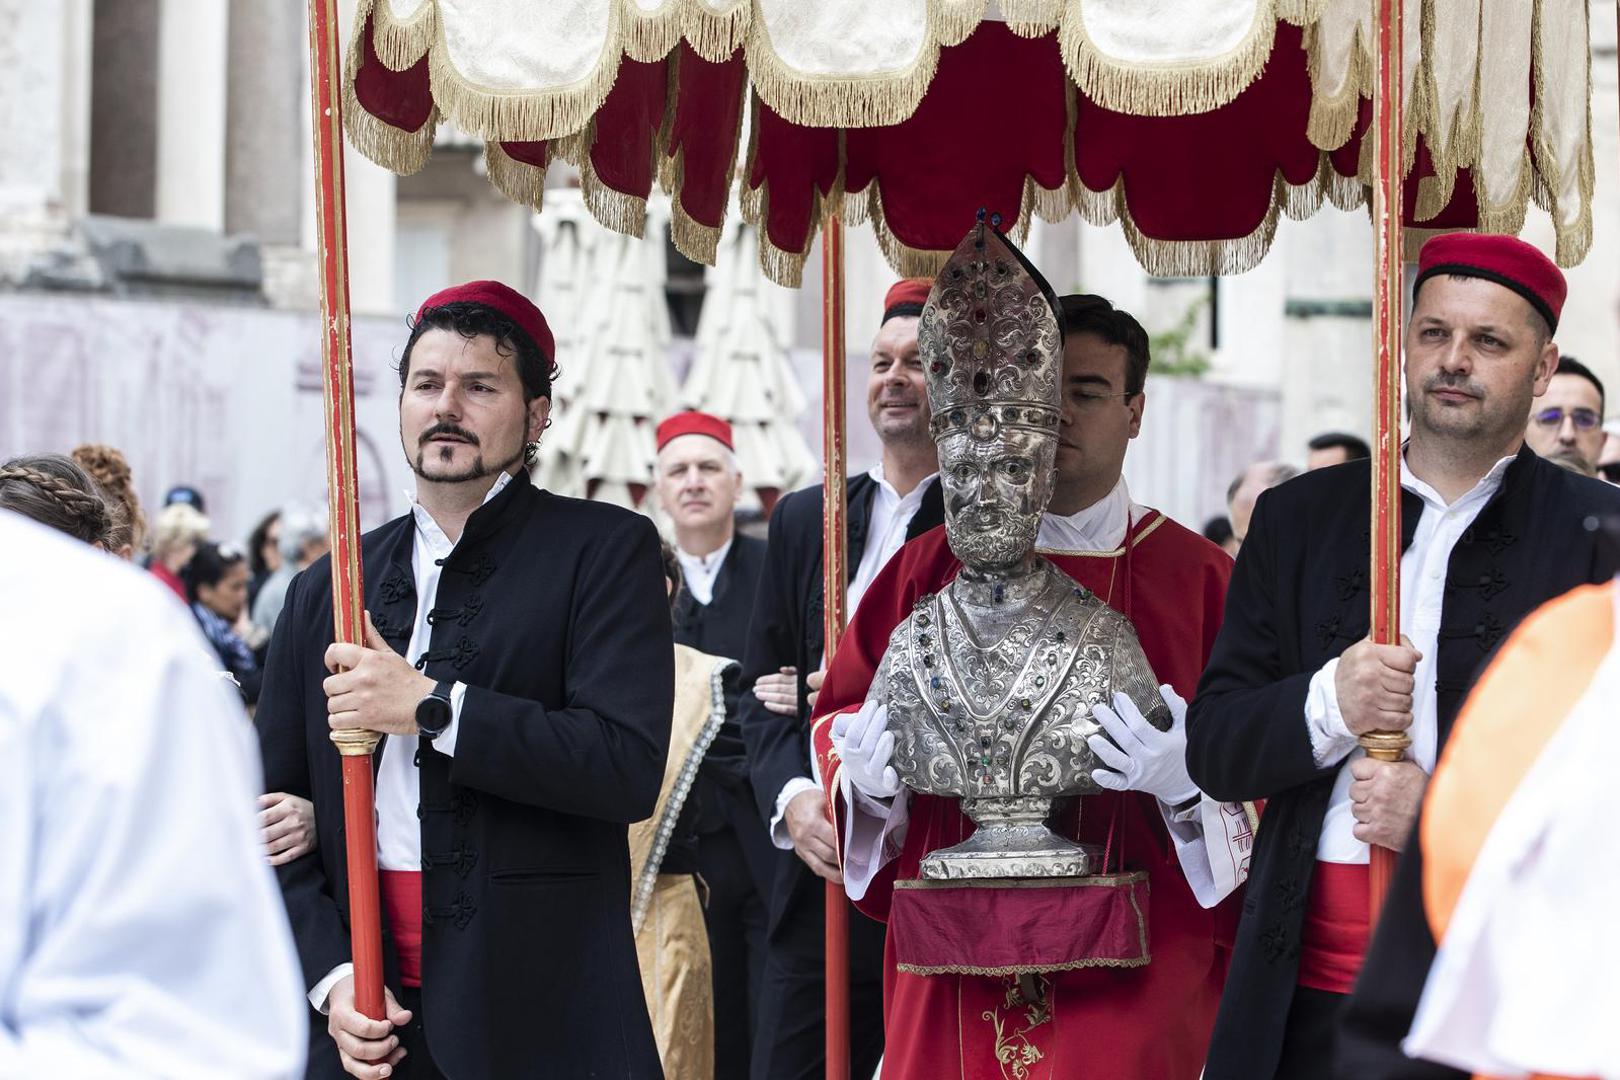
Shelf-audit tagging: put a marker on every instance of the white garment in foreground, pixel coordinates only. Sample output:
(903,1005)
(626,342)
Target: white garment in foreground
(1212,839)
(1524,981)
(1423,591)
(141,929)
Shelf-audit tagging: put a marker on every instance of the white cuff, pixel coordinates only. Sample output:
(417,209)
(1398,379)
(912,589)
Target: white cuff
(445,741)
(1331,741)
(794,787)
(323,989)
(874,830)
(1213,844)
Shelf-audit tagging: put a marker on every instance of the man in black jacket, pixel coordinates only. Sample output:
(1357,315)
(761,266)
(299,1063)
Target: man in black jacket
(1490,531)
(519,660)
(898,500)
(698,480)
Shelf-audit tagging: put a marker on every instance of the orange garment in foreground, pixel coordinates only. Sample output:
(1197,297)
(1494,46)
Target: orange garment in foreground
(1144,1022)
(1499,734)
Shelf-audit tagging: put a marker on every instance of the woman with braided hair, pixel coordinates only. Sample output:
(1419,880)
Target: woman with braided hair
(53,490)
(109,468)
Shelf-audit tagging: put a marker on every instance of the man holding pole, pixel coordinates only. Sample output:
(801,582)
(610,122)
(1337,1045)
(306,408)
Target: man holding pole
(1489,531)
(518,659)
(897,500)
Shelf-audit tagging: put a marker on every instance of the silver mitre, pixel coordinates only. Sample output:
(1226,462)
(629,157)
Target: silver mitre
(990,682)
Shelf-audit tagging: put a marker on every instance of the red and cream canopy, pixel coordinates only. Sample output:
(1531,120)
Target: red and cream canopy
(1194,123)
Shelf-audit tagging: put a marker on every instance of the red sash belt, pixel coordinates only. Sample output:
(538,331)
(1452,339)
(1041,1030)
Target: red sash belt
(402,904)
(1334,940)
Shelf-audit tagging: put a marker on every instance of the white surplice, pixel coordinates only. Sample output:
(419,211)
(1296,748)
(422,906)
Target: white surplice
(142,932)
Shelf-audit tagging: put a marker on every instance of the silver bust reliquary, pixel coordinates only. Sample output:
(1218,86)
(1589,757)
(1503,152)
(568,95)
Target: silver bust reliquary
(990,682)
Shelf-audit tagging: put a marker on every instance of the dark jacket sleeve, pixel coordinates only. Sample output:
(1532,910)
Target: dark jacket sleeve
(1246,734)
(777,745)
(1380,1011)
(323,940)
(602,754)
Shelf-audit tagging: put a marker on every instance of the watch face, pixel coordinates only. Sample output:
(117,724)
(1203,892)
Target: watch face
(432,715)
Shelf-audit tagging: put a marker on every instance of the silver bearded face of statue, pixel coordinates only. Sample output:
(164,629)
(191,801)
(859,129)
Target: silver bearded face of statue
(995,493)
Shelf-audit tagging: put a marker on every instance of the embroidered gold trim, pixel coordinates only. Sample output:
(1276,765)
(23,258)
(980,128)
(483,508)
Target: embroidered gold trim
(647,879)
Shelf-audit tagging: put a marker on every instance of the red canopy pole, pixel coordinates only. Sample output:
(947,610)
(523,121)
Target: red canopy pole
(343,497)
(835,558)
(1386,460)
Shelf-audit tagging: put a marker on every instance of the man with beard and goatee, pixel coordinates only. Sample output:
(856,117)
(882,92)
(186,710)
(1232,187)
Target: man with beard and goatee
(1490,531)
(518,657)
(784,663)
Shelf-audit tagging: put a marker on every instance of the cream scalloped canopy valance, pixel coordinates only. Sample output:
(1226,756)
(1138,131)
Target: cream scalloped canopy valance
(1193,123)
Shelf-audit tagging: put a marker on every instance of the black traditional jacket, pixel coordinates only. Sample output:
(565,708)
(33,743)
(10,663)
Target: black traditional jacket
(1298,598)
(553,612)
(786,631)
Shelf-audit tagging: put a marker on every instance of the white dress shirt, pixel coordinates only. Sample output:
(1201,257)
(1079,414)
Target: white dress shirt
(399,785)
(885,536)
(1097,529)
(1423,590)
(699,572)
(141,929)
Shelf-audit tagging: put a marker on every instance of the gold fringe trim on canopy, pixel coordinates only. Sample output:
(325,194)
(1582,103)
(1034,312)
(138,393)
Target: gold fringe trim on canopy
(875,99)
(1179,89)
(535,116)
(617,210)
(692,238)
(399,42)
(715,32)
(395,149)
(519,181)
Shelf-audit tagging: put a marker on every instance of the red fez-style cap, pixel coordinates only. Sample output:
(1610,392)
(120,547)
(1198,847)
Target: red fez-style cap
(506,300)
(1506,260)
(695,423)
(906,297)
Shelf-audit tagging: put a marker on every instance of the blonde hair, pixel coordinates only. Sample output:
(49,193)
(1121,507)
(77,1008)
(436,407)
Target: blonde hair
(177,526)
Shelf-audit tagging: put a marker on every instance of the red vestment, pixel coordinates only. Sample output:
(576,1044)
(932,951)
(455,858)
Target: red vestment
(1145,1023)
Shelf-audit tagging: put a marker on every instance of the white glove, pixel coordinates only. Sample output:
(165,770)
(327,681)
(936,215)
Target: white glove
(1145,758)
(866,745)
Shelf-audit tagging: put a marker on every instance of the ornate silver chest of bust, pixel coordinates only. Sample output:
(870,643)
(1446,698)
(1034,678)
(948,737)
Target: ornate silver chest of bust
(989,684)
(990,702)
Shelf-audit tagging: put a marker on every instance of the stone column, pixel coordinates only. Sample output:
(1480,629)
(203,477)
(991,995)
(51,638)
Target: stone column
(44,73)
(192,54)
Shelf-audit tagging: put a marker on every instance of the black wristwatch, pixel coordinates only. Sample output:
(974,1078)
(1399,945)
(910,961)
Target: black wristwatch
(433,711)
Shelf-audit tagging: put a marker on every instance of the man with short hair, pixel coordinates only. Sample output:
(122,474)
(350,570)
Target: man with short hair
(698,480)
(518,658)
(1335,448)
(1490,530)
(895,501)
(1566,422)
(1246,488)
(1151,1021)
(303,540)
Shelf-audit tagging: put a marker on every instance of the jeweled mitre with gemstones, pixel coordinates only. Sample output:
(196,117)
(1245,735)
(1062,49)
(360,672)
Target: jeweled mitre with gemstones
(990,682)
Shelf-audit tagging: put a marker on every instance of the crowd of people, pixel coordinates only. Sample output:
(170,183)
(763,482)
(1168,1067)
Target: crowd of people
(617,772)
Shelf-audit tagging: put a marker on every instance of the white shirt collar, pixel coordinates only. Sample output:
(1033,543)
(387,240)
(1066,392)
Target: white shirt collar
(710,562)
(1102,526)
(1480,492)
(429,528)
(887,490)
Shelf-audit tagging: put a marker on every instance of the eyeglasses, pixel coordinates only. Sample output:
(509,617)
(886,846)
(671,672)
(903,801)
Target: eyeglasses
(1585,419)
(1087,399)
